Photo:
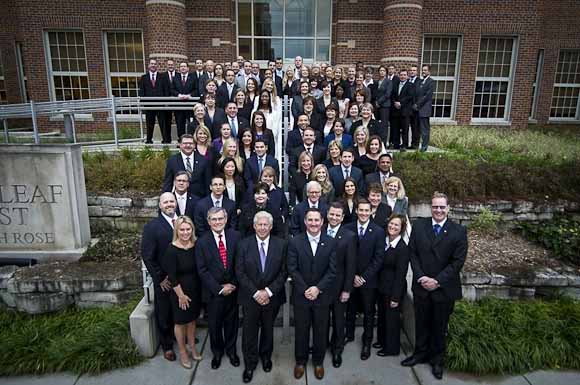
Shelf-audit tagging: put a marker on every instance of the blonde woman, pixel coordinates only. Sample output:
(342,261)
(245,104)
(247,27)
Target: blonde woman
(361,141)
(320,174)
(395,195)
(231,150)
(202,139)
(199,118)
(179,262)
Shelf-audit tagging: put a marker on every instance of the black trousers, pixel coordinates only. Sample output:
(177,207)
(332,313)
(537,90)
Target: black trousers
(400,131)
(181,120)
(431,320)
(150,120)
(415,129)
(305,318)
(338,322)
(258,333)
(223,324)
(365,298)
(425,132)
(389,325)
(384,115)
(163,317)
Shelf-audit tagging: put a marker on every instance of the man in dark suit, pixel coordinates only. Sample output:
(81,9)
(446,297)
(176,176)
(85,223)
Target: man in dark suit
(215,199)
(157,236)
(383,99)
(438,248)
(153,84)
(415,132)
(308,144)
(345,269)
(185,201)
(424,105)
(313,194)
(237,123)
(192,162)
(184,86)
(403,98)
(214,253)
(370,248)
(384,171)
(380,212)
(295,136)
(169,75)
(256,163)
(205,76)
(312,266)
(226,92)
(261,274)
(339,173)
(278,75)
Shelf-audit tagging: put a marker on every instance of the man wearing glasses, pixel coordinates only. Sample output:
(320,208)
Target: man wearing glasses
(438,248)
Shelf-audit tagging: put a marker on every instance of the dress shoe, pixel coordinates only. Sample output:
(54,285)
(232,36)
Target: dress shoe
(216,362)
(384,353)
(413,360)
(378,345)
(186,364)
(365,353)
(319,372)
(169,355)
(298,371)
(437,371)
(234,360)
(247,375)
(267,365)
(336,360)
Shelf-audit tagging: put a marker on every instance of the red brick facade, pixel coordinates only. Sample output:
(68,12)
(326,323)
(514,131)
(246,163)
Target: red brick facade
(367,30)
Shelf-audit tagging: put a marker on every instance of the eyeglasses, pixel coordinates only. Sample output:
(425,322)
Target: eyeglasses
(438,207)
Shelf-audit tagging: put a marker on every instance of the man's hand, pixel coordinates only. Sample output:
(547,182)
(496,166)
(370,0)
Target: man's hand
(262,297)
(358,281)
(344,296)
(312,293)
(398,105)
(428,283)
(165,284)
(228,289)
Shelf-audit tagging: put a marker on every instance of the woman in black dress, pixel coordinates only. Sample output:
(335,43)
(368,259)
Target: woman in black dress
(179,261)
(368,162)
(259,203)
(349,199)
(392,287)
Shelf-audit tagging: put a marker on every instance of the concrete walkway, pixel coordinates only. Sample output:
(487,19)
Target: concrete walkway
(375,371)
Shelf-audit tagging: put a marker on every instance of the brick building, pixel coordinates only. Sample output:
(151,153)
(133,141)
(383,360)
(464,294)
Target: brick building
(500,62)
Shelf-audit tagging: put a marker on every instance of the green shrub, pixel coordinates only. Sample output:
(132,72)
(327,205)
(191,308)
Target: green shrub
(78,341)
(561,236)
(510,337)
(486,220)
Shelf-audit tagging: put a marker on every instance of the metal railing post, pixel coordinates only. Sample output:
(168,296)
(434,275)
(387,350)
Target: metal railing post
(114,116)
(6,137)
(140,117)
(34,122)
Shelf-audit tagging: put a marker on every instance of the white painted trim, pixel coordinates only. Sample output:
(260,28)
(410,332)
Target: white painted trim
(404,5)
(355,21)
(165,2)
(170,55)
(224,19)
(400,58)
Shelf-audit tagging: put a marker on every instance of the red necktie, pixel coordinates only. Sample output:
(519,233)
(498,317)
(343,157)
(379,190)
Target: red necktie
(173,223)
(223,252)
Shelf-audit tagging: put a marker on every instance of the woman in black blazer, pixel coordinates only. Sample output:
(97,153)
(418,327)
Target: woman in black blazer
(235,184)
(299,178)
(259,202)
(392,287)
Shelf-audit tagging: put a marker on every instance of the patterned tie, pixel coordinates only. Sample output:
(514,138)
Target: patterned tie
(173,223)
(436,228)
(330,232)
(346,173)
(217,204)
(188,165)
(262,256)
(234,128)
(260,164)
(361,232)
(223,252)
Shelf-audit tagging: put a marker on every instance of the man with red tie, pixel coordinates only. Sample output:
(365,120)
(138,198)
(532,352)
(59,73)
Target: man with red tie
(153,84)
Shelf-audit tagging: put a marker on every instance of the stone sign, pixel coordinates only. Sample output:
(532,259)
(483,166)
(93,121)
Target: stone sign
(43,203)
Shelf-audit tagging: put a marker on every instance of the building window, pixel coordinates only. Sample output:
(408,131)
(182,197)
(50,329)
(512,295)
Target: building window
(23,80)
(3,96)
(67,65)
(536,85)
(125,63)
(565,99)
(284,28)
(442,54)
(494,78)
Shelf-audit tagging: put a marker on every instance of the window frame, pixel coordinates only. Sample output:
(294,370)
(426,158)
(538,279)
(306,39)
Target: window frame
(576,117)
(3,89)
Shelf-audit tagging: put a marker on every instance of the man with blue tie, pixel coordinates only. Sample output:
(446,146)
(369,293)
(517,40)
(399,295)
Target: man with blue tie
(438,248)
(370,248)
(256,163)
(312,266)
(215,199)
(261,273)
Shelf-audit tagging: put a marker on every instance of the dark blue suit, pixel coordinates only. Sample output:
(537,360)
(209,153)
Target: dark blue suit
(187,88)
(203,206)
(251,173)
(337,179)
(190,204)
(297,219)
(199,180)
(309,270)
(157,236)
(222,310)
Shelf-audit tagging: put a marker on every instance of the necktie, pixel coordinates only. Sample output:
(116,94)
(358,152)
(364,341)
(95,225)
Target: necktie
(361,232)
(217,204)
(183,79)
(234,128)
(436,228)
(173,223)
(346,173)
(223,252)
(309,149)
(331,232)
(153,79)
(262,256)
(260,164)
(314,245)
(188,165)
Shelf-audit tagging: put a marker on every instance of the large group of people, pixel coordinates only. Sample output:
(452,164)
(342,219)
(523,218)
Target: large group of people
(227,236)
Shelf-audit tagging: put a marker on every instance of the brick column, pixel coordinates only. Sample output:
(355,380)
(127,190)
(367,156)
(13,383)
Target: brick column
(402,32)
(165,30)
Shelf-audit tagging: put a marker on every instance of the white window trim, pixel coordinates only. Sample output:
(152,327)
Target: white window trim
(565,85)
(537,85)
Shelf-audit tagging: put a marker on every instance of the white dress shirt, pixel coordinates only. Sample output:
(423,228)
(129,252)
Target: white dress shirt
(181,202)
(313,240)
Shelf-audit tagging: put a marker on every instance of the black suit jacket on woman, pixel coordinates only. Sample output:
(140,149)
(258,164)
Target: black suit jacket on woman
(392,279)
(249,272)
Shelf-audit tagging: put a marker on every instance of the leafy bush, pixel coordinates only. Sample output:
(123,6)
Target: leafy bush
(499,336)
(561,236)
(78,341)
(486,221)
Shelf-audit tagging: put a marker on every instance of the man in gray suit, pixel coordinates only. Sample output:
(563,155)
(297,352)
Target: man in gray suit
(423,104)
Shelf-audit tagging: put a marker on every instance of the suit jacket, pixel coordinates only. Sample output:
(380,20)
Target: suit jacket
(382,215)
(321,108)
(375,127)
(209,264)
(375,177)
(242,124)
(384,92)
(249,272)
(424,96)
(309,270)
(297,219)
(318,155)
(346,140)
(440,257)
(203,206)
(239,193)
(199,180)
(222,97)
(406,97)
(201,82)
(189,88)
(345,259)
(294,139)
(161,87)
(371,248)
(157,236)
(297,183)
(337,178)
(246,220)
(219,118)
(278,82)
(393,276)
(190,204)
(251,173)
